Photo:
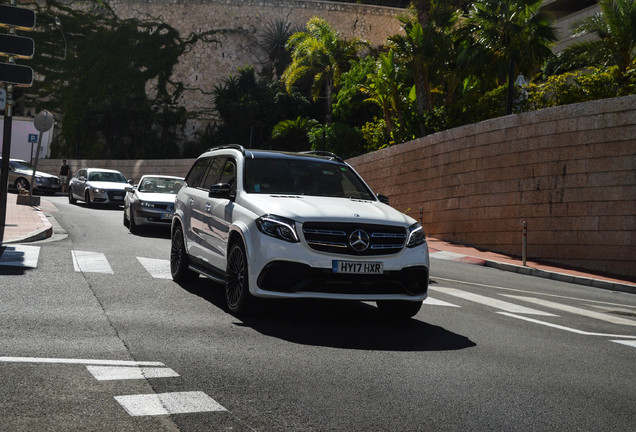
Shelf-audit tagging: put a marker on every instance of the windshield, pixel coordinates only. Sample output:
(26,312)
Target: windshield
(303,177)
(160,185)
(104,176)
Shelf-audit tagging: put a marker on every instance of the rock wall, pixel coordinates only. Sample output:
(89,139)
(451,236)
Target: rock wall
(239,25)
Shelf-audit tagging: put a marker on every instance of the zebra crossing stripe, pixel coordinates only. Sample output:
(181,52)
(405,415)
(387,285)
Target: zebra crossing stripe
(168,403)
(111,373)
(158,268)
(495,303)
(19,256)
(90,262)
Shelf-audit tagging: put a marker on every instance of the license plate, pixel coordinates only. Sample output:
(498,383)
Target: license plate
(167,216)
(356,267)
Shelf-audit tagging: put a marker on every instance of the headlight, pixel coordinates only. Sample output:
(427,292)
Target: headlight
(279,227)
(97,190)
(39,179)
(417,236)
(146,204)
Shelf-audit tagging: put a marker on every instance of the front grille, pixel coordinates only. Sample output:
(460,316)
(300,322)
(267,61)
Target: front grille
(337,238)
(116,195)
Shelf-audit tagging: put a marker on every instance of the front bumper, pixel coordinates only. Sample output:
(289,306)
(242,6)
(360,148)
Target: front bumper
(152,216)
(278,269)
(111,197)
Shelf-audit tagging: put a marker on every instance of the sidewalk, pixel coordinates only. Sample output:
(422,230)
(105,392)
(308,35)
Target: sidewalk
(27,224)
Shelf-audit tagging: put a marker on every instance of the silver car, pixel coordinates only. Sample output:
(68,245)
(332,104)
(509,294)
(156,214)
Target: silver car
(151,202)
(98,186)
(21,176)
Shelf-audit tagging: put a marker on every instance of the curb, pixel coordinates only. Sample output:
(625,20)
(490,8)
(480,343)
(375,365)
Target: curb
(42,233)
(562,277)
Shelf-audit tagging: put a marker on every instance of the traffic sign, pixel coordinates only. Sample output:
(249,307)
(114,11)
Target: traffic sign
(16,17)
(18,75)
(16,46)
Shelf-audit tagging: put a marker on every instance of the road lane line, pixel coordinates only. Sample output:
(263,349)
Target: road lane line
(435,302)
(90,262)
(575,310)
(497,304)
(168,403)
(624,342)
(111,373)
(19,256)
(79,361)
(158,268)
(560,327)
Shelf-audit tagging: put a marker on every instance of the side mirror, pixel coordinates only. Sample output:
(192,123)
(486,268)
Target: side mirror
(129,181)
(129,189)
(220,190)
(383,199)
(81,178)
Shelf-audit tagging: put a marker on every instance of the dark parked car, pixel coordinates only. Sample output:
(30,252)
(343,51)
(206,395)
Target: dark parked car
(21,176)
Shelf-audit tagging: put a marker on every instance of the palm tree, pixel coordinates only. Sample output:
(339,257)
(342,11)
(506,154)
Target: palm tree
(384,89)
(516,35)
(322,54)
(273,42)
(615,29)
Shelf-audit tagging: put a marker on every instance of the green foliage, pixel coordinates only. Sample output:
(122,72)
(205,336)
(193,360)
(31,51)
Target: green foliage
(338,138)
(293,135)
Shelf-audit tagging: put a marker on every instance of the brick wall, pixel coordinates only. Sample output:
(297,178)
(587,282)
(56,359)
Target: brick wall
(570,172)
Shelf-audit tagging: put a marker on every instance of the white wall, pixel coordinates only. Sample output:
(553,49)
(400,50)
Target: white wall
(22,127)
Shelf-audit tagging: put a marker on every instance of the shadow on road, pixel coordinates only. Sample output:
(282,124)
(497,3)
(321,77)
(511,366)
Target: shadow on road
(337,324)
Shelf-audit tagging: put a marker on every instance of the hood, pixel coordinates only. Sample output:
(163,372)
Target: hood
(157,197)
(108,185)
(37,173)
(311,208)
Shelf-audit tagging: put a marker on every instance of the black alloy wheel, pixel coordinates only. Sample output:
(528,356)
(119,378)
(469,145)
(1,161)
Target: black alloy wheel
(71,198)
(237,293)
(179,262)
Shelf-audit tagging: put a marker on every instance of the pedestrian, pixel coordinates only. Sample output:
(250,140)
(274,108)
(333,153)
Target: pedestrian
(65,173)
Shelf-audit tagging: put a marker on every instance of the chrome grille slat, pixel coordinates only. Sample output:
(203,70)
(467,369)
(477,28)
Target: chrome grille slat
(333,237)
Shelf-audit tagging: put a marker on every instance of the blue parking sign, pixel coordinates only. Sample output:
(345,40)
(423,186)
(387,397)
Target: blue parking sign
(33,138)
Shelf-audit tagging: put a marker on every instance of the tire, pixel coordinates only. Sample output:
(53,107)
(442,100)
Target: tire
(87,198)
(21,183)
(399,309)
(237,293)
(132,226)
(126,222)
(71,198)
(179,261)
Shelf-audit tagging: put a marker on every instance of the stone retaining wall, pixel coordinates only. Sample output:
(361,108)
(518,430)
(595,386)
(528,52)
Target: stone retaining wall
(569,172)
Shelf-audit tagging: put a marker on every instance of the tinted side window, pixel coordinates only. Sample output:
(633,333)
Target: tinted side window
(197,172)
(229,174)
(214,173)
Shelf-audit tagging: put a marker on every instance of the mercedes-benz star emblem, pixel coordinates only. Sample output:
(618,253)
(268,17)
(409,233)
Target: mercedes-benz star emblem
(359,240)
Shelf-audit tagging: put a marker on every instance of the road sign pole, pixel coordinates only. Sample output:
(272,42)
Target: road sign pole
(6,154)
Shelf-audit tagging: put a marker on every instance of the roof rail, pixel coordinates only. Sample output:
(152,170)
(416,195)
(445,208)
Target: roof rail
(324,153)
(230,146)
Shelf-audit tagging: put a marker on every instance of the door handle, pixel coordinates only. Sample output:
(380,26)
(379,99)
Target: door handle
(207,207)
(191,201)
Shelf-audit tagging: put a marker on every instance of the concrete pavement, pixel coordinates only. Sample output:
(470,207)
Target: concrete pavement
(30,223)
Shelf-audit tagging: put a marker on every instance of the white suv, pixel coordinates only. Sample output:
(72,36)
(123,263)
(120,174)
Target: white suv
(292,225)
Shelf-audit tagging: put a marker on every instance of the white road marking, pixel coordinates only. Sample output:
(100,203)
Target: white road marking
(624,342)
(90,262)
(497,304)
(168,403)
(19,256)
(578,311)
(109,373)
(560,327)
(79,361)
(435,302)
(158,268)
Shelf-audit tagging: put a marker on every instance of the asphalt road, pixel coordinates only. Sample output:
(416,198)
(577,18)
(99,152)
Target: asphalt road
(94,336)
